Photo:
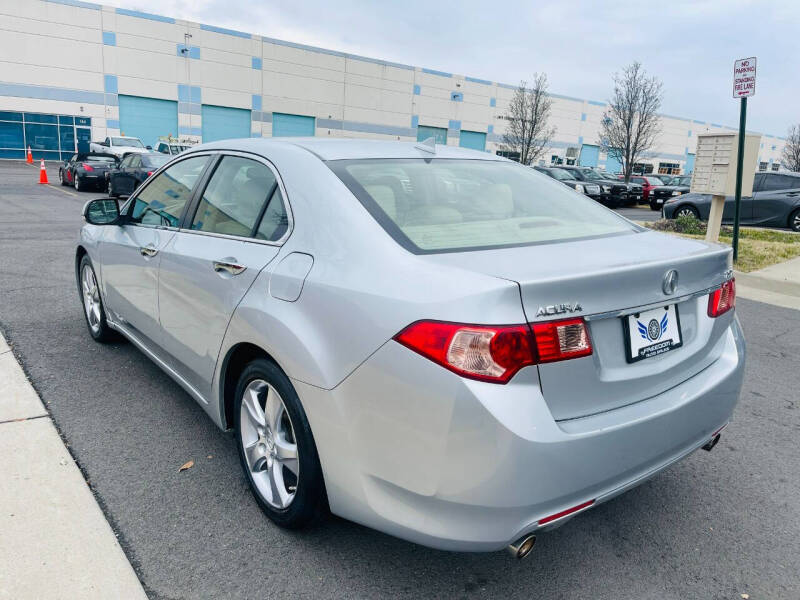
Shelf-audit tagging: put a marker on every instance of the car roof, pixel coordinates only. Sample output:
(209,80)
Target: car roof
(344,149)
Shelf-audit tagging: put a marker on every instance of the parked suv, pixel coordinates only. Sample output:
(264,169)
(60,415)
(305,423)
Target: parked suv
(590,189)
(775,203)
(612,193)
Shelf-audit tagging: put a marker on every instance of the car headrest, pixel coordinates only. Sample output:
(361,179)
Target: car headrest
(384,197)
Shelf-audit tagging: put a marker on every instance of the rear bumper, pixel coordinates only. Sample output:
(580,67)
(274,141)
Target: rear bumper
(415,451)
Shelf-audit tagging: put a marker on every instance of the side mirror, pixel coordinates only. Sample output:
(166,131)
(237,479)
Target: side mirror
(149,147)
(103,211)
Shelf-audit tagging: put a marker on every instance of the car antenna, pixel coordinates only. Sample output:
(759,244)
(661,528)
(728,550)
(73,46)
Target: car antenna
(428,145)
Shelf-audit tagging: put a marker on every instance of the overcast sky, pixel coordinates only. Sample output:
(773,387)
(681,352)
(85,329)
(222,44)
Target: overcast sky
(690,45)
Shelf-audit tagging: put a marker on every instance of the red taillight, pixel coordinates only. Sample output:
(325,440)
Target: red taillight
(149,173)
(495,353)
(560,340)
(87,167)
(722,299)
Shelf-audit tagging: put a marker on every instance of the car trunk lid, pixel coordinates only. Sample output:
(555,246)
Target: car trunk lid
(603,280)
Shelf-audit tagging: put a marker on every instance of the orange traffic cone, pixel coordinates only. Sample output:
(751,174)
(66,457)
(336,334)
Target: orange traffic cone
(29,160)
(43,174)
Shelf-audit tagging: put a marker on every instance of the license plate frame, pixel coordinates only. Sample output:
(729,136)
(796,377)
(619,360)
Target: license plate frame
(657,346)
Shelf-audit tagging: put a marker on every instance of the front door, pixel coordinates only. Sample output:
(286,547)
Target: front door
(207,268)
(131,253)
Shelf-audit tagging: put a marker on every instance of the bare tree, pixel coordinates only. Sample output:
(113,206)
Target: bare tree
(630,123)
(527,130)
(791,151)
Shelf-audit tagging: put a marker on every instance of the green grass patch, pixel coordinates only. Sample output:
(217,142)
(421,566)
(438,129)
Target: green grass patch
(758,248)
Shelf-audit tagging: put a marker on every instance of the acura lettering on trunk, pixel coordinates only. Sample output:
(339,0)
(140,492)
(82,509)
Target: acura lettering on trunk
(434,342)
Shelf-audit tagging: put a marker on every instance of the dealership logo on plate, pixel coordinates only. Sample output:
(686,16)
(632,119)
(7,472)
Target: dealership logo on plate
(654,329)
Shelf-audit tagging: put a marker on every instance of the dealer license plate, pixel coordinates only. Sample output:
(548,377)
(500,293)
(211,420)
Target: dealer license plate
(652,332)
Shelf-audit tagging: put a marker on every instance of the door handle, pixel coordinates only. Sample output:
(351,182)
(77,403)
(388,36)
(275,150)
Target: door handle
(148,251)
(228,265)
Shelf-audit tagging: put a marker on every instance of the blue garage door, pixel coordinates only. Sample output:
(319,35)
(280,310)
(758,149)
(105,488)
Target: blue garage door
(589,155)
(438,133)
(472,139)
(285,125)
(225,123)
(613,165)
(147,118)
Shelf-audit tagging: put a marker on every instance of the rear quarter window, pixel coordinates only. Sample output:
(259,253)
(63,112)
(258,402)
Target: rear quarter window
(446,205)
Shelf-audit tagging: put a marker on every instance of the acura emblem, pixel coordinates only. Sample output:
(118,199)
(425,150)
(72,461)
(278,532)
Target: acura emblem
(670,283)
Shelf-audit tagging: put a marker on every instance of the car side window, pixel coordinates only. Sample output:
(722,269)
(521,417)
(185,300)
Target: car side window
(235,197)
(161,202)
(74,158)
(126,162)
(778,182)
(136,161)
(758,182)
(275,221)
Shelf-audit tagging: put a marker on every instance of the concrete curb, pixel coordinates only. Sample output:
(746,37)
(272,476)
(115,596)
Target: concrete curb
(777,284)
(55,541)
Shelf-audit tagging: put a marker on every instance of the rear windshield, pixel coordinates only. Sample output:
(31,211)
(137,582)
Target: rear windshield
(155,160)
(445,205)
(130,142)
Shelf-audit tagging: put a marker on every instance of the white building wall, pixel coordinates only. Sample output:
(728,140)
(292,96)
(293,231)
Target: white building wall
(56,59)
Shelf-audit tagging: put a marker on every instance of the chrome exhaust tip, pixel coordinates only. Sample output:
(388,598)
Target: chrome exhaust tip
(713,442)
(522,547)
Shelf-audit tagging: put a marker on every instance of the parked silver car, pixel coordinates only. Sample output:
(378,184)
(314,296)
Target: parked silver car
(435,342)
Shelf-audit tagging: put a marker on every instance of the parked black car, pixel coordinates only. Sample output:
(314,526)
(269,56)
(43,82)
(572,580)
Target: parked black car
(87,169)
(590,189)
(775,203)
(132,171)
(612,193)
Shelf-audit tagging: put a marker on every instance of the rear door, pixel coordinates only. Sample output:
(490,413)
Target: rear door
(233,231)
(774,198)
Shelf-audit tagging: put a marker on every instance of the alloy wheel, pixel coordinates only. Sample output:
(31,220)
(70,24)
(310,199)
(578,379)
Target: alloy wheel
(77,181)
(795,224)
(91,298)
(686,212)
(269,443)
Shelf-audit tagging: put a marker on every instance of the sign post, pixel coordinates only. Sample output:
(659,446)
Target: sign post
(744,85)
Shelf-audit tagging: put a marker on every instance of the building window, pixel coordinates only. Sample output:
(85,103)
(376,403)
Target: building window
(668,168)
(776,166)
(762,166)
(555,159)
(642,168)
(53,137)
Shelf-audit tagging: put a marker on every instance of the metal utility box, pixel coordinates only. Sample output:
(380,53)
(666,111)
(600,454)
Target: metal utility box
(715,163)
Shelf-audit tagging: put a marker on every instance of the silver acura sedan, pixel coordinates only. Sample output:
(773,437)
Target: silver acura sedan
(435,342)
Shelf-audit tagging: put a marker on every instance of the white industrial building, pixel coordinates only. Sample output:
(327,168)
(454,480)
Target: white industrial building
(71,71)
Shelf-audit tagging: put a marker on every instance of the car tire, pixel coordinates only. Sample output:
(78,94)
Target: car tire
(276,447)
(61,179)
(93,309)
(654,206)
(77,183)
(794,220)
(685,211)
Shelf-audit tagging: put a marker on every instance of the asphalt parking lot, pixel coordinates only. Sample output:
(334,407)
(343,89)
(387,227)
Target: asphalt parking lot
(716,525)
